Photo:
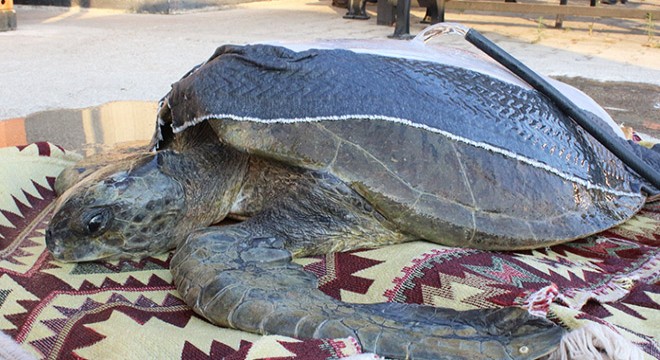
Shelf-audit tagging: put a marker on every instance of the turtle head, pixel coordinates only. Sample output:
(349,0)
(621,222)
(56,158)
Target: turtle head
(126,209)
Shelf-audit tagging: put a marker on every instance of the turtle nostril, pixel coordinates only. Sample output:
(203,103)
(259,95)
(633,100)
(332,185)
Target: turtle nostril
(49,237)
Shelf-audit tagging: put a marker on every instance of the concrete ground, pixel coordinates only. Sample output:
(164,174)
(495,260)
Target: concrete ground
(71,58)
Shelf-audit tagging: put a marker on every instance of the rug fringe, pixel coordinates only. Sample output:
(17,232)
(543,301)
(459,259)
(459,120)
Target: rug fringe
(596,342)
(616,288)
(11,350)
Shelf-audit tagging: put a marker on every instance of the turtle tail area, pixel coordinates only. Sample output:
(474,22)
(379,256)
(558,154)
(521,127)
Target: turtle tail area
(237,280)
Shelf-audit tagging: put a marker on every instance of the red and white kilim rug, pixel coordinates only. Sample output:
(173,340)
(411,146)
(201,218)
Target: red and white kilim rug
(130,309)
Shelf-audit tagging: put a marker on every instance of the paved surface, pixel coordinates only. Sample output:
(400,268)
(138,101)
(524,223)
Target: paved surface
(61,58)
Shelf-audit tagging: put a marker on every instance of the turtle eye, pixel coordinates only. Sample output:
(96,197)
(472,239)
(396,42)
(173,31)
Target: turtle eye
(97,222)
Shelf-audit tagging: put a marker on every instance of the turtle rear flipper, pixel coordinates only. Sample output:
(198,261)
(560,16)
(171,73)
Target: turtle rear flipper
(237,280)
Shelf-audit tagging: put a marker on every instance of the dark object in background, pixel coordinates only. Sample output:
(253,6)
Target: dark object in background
(340,3)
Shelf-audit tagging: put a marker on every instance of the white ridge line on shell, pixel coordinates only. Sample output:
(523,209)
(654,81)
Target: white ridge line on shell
(485,146)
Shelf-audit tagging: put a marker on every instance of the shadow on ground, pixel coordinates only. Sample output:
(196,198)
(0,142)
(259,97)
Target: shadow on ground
(633,104)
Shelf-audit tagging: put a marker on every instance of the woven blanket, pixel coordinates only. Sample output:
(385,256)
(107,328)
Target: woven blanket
(130,309)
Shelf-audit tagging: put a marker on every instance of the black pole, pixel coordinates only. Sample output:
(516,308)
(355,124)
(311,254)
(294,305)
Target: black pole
(402,28)
(565,105)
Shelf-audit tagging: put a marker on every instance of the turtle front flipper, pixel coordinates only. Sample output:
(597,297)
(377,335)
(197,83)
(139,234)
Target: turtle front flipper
(238,279)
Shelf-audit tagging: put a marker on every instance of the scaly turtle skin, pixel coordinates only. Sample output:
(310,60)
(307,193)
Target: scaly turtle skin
(312,169)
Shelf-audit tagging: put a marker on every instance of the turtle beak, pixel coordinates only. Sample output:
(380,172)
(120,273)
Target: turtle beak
(67,254)
(53,246)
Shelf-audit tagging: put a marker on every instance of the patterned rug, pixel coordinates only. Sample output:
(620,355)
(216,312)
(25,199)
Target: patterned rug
(130,309)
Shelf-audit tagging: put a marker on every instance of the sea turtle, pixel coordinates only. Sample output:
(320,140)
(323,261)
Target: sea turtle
(321,150)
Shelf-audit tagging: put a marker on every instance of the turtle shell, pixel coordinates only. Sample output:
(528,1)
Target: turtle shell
(446,153)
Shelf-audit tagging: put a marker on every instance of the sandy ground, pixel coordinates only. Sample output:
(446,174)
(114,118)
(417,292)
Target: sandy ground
(62,58)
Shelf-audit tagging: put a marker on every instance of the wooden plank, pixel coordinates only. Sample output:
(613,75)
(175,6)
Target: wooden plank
(547,9)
